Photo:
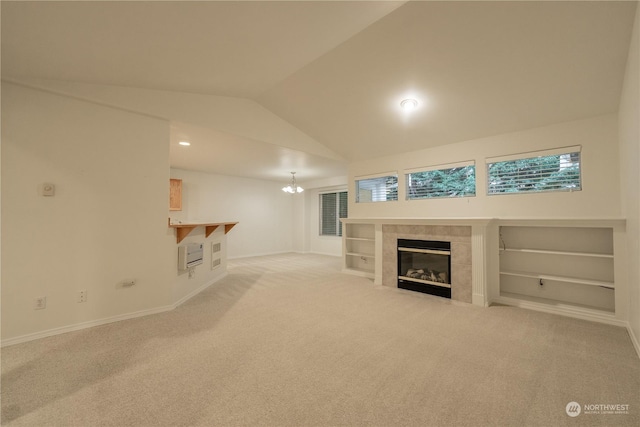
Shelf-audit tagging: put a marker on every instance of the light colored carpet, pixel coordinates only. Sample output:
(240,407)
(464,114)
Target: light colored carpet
(289,340)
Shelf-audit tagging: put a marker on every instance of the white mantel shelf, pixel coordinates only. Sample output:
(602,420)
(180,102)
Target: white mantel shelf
(484,221)
(419,221)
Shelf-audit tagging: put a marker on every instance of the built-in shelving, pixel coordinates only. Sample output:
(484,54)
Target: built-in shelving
(183,229)
(359,249)
(560,269)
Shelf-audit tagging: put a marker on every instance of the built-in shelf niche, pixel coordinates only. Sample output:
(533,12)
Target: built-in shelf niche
(570,267)
(359,249)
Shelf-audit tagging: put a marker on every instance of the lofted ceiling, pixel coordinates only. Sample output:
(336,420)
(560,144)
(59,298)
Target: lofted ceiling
(328,75)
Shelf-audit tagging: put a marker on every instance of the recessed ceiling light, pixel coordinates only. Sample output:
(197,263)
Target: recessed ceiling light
(409,104)
(185,143)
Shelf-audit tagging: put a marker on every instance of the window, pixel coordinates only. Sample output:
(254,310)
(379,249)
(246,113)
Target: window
(379,189)
(451,181)
(557,170)
(333,206)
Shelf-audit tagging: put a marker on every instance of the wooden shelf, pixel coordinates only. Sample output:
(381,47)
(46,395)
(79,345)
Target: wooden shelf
(183,230)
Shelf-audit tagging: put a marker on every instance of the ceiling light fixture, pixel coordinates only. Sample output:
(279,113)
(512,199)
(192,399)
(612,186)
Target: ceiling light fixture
(409,104)
(185,143)
(293,187)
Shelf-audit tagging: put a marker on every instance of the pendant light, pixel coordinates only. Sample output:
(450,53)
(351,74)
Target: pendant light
(293,187)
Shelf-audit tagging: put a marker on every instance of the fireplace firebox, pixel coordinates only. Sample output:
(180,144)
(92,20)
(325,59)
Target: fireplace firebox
(425,266)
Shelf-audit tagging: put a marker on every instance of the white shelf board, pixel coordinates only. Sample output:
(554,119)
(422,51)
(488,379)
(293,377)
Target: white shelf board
(577,280)
(361,239)
(543,251)
(361,254)
(521,300)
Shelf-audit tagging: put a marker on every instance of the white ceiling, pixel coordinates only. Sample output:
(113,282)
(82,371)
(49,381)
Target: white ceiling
(334,71)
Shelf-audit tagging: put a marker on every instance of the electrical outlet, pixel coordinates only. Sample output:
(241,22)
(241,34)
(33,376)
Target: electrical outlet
(192,272)
(40,303)
(82,295)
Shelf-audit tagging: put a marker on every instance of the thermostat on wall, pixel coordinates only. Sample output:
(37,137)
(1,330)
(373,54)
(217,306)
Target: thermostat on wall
(48,189)
(190,255)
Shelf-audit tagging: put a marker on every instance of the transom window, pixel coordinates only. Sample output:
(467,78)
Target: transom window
(442,181)
(551,170)
(377,189)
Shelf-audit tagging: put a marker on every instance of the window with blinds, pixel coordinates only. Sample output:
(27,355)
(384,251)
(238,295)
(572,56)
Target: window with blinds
(552,170)
(333,206)
(379,189)
(450,181)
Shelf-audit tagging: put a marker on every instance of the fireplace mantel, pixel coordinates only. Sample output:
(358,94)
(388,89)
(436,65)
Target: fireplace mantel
(368,245)
(420,221)
(482,237)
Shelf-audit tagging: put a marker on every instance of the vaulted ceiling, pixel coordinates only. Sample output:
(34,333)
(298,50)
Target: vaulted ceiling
(315,84)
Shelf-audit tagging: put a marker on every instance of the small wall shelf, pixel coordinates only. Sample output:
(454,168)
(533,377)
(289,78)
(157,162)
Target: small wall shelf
(183,230)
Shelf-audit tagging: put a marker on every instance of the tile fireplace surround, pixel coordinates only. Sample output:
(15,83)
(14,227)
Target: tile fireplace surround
(370,249)
(472,261)
(460,238)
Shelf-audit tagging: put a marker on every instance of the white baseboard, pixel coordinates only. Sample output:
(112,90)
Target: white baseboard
(259,254)
(634,339)
(197,291)
(283,252)
(563,310)
(326,254)
(104,321)
(83,325)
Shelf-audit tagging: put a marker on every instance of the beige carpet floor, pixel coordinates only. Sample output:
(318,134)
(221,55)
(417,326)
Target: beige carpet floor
(289,340)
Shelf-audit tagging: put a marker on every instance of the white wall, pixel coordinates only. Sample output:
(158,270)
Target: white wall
(106,223)
(629,131)
(600,196)
(309,209)
(263,210)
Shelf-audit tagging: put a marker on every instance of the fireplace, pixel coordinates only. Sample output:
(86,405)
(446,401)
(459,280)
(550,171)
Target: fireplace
(425,266)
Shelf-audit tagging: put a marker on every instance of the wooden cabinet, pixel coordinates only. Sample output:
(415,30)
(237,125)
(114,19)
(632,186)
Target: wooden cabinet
(175,194)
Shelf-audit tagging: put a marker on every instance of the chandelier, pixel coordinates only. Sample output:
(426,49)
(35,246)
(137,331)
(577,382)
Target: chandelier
(293,187)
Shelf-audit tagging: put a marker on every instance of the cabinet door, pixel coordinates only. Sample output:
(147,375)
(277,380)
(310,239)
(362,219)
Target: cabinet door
(175,194)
